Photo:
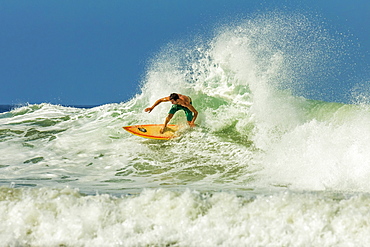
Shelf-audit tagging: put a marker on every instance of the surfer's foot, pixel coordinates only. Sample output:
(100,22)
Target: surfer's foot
(162,130)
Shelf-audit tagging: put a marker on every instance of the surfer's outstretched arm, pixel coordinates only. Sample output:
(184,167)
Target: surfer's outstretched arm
(165,99)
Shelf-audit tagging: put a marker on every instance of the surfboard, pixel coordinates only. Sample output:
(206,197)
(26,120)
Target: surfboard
(151,131)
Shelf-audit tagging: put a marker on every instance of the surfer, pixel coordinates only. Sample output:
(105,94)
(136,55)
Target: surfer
(179,102)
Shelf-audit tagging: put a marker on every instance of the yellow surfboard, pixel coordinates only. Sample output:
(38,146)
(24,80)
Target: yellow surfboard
(151,131)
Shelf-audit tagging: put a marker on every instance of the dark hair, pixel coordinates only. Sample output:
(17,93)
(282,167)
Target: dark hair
(174,96)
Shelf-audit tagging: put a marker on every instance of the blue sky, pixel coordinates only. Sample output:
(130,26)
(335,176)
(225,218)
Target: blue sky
(96,52)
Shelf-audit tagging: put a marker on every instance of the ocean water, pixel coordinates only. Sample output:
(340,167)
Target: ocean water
(265,166)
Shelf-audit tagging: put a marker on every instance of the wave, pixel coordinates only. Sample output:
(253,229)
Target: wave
(297,144)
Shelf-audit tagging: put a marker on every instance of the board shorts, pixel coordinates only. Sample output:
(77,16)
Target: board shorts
(188,113)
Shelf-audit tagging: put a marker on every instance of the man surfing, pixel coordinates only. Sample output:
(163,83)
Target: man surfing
(179,102)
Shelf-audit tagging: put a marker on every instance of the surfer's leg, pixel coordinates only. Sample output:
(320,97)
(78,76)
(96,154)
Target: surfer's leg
(168,118)
(189,114)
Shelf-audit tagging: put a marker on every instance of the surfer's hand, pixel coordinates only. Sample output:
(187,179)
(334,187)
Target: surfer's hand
(149,109)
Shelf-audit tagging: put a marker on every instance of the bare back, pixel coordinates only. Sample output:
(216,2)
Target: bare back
(183,100)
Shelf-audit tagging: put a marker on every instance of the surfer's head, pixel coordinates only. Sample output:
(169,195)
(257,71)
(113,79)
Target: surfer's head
(174,97)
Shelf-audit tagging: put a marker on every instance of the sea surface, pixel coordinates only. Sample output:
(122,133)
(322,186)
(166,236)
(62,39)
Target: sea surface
(265,166)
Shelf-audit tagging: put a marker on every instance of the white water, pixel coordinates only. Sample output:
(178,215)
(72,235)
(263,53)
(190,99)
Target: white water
(158,218)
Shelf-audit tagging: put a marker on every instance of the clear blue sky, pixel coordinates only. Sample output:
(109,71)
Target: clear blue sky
(91,52)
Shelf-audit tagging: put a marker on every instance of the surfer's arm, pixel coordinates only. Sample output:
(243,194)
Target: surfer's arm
(165,99)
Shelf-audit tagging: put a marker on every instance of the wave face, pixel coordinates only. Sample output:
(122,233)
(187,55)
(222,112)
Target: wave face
(264,163)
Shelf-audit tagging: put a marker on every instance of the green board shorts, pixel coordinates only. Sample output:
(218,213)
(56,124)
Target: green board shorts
(188,113)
